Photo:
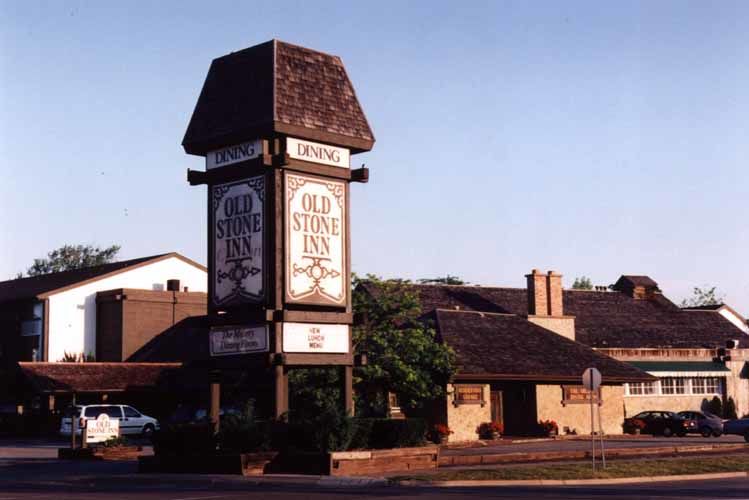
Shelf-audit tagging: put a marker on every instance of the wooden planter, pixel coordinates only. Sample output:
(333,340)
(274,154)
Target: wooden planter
(340,463)
(101,453)
(377,462)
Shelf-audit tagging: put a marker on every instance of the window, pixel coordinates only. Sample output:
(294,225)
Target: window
(130,412)
(111,411)
(707,385)
(469,394)
(642,388)
(673,385)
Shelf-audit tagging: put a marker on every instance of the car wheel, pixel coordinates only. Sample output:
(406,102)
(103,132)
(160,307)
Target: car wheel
(667,432)
(706,432)
(148,430)
(717,433)
(746,436)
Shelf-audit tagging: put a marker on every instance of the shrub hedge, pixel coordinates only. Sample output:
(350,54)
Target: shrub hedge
(327,433)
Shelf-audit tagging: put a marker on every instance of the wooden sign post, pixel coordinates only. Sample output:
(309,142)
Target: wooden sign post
(277,124)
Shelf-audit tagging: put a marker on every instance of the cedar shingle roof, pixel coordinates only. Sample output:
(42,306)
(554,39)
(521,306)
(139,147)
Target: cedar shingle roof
(26,288)
(277,87)
(510,347)
(602,319)
(615,320)
(95,377)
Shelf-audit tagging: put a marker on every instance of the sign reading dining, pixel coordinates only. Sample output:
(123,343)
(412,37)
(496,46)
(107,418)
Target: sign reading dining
(237,227)
(233,154)
(321,338)
(315,225)
(228,340)
(318,153)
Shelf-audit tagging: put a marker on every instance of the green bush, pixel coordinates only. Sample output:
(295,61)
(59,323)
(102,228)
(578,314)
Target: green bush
(185,439)
(379,433)
(715,406)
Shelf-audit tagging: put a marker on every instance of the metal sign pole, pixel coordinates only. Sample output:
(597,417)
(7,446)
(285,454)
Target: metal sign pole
(600,429)
(592,435)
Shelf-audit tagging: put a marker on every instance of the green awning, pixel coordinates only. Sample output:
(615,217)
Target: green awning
(682,368)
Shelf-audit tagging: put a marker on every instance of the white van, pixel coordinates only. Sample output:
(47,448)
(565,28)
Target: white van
(132,422)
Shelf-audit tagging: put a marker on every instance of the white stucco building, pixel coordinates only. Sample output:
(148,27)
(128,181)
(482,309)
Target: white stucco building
(44,317)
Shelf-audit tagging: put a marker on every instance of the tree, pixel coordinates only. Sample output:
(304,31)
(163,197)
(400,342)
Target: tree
(69,257)
(703,297)
(403,354)
(714,406)
(729,410)
(447,280)
(582,283)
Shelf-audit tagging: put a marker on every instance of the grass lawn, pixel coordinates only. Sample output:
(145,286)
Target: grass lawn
(583,470)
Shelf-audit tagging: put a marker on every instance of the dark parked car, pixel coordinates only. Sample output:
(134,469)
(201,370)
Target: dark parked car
(666,423)
(705,423)
(738,426)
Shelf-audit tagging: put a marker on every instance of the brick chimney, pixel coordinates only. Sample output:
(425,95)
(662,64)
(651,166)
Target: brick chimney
(544,293)
(546,303)
(538,298)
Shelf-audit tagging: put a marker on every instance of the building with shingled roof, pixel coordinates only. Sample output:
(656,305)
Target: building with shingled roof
(521,353)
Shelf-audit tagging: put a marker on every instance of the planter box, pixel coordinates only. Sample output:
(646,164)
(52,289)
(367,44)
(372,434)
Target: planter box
(376,462)
(341,463)
(247,464)
(100,453)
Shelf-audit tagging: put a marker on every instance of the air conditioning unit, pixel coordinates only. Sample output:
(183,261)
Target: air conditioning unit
(732,344)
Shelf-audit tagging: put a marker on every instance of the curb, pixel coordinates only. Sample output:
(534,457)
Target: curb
(572,482)
(520,457)
(208,481)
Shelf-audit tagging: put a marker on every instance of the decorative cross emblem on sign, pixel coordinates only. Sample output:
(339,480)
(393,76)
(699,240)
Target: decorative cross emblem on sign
(316,271)
(237,274)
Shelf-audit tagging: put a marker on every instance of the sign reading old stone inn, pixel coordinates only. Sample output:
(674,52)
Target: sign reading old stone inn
(237,226)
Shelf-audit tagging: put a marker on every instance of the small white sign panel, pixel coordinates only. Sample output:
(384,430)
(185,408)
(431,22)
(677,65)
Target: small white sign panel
(315,220)
(321,338)
(591,379)
(238,227)
(102,429)
(229,340)
(233,154)
(318,153)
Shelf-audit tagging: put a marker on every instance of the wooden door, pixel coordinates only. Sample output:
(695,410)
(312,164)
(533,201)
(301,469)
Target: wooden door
(496,407)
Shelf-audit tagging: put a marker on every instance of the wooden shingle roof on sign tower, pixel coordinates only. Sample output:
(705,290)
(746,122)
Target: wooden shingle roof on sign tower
(277,88)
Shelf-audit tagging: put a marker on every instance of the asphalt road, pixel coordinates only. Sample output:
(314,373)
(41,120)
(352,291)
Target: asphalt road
(723,489)
(30,469)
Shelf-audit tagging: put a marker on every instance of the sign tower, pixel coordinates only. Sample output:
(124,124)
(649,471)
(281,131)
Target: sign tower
(277,125)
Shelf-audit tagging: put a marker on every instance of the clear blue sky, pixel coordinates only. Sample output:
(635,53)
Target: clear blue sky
(592,138)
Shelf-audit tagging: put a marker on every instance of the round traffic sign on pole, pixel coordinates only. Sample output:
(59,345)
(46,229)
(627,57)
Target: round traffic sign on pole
(592,379)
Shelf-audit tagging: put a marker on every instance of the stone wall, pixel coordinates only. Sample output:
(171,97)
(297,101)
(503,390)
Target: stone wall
(676,403)
(577,415)
(463,419)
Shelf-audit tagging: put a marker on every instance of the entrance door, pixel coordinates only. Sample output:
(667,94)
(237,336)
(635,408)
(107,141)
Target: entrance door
(496,407)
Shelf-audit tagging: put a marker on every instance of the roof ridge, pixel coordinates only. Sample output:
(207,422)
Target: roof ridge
(482,313)
(88,268)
